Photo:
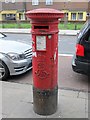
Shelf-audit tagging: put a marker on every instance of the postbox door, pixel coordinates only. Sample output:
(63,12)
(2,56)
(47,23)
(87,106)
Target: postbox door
(45,61)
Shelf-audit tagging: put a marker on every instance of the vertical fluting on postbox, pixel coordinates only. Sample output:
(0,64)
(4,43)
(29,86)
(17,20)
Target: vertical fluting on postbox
(45,59)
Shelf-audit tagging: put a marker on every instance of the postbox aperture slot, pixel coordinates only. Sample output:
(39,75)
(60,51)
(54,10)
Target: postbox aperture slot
(41,27)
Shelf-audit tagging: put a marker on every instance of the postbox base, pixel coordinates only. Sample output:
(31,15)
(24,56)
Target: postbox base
(45,101)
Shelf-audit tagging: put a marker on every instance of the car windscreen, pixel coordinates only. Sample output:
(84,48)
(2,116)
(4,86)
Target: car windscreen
(84,29)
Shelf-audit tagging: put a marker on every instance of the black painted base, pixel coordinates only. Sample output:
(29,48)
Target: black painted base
(45,101)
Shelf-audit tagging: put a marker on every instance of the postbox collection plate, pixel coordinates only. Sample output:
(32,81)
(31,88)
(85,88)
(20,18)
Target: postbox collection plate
(41,43)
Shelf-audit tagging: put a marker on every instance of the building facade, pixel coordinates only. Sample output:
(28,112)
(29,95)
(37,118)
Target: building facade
(14,10)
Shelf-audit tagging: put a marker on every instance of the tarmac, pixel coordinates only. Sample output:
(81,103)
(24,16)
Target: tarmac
(16,99)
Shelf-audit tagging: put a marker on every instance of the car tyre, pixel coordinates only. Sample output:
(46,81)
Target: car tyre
(4,72)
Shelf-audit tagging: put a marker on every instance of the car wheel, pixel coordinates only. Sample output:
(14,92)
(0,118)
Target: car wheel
(4,72)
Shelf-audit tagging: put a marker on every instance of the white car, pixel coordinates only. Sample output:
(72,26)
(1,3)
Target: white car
(15,57)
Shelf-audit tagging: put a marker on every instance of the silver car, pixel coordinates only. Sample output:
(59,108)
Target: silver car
(15,57)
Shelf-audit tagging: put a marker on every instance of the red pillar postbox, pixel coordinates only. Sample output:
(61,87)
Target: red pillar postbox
(45,58)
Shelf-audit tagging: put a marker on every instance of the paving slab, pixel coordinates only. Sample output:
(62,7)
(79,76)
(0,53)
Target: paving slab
(12,94)
(87,108)
(68,93)
(83,95)
(24,110)
(18,103)
(70,107)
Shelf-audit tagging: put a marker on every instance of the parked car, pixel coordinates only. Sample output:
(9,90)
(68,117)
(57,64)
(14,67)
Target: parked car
(15,57)
(81,59)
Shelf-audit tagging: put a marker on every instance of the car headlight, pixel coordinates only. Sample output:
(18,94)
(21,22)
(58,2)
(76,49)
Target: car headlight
(15,56)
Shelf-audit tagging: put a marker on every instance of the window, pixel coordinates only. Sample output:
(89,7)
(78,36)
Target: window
(35,2)
(66,14)
(88,14)
(7,15)
(13,1)
(21,16)
(87,37)
(80,16)
(83,30)
(7,1)
(73,16)
(10,17)
(49,2)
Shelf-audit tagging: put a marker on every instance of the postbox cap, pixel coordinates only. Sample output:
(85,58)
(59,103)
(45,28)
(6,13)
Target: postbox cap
(44,13)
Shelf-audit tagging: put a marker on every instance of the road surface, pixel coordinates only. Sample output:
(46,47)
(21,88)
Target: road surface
(67,79)
(66,44)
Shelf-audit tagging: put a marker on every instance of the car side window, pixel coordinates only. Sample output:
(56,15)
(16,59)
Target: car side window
(87,36)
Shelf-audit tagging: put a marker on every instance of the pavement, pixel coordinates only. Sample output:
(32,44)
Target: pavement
(17,102)
(25,31)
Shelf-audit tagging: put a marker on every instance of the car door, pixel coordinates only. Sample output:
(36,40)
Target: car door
(86,43)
